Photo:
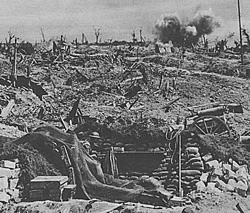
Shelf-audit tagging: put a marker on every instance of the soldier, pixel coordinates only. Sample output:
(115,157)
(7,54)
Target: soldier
(92,144)
(86,145)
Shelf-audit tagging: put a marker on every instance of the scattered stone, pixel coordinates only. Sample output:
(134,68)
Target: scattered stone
(226,166)
(221,185)
(241,188)
(207,157)
(213,164)
(235,165)
(210,187)
(188,210)
(4,197)
(229,174)
(230,188)
(3,182)
(13,183)
(201,187)
(204,177)
(242,173)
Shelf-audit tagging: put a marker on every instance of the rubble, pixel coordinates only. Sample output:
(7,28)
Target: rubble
(9,177)
(130,96)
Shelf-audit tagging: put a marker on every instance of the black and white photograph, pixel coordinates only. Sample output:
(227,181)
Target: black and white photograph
(124,106)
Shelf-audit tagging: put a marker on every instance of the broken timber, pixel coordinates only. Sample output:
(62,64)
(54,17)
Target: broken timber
(167,107)
(5,112)
(72,114)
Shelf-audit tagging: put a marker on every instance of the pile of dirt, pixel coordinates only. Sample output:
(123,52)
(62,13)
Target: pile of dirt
(224,148)
(125,130)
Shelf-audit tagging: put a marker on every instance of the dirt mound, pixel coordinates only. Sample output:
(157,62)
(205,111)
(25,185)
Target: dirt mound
(223,148)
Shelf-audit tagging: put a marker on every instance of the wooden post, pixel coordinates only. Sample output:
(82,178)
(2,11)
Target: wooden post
(240,29)
(13,75)
(83,38)
(97,34)
(174,83)
(161,80)
(76,43)
(43,40)
(178,138)
(167,86)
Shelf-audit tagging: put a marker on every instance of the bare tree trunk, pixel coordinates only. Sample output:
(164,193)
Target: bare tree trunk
(13,76)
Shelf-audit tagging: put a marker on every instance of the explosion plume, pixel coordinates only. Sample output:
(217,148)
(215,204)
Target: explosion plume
(168,28)
(171,28)
(205,22)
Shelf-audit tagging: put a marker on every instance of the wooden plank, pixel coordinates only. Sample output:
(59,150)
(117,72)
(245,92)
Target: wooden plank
(61,179)
(5,112)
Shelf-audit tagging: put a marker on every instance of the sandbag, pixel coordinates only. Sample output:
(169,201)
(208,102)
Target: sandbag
(193,160)
(190,172)
(192,150)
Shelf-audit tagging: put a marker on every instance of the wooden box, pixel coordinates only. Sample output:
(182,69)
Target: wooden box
(47,188)
(45,182)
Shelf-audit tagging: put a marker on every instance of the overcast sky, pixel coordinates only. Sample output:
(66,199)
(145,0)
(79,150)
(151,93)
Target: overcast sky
(116,18)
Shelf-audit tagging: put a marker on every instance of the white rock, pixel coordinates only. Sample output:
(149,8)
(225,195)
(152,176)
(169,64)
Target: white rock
(213,164)
(211,187)
(235,165)
(207,157)
(4,197)
(200,186)
(229,174)
(217,191)
(226,166)
(14,194)
(9,173)
(13,183)
(221,185)
(218,172)
(3,182)
(241,188)
(204,177)
(242,173)
(230,188)
(232,182)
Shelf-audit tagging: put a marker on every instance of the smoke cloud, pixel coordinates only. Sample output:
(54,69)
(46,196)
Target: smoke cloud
(171,28)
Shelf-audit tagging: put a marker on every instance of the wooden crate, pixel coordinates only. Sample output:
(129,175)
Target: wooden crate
(45,182)
(47,188)
(36,194)
(46,194)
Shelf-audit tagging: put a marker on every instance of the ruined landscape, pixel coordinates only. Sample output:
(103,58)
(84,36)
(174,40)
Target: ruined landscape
(172,113)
